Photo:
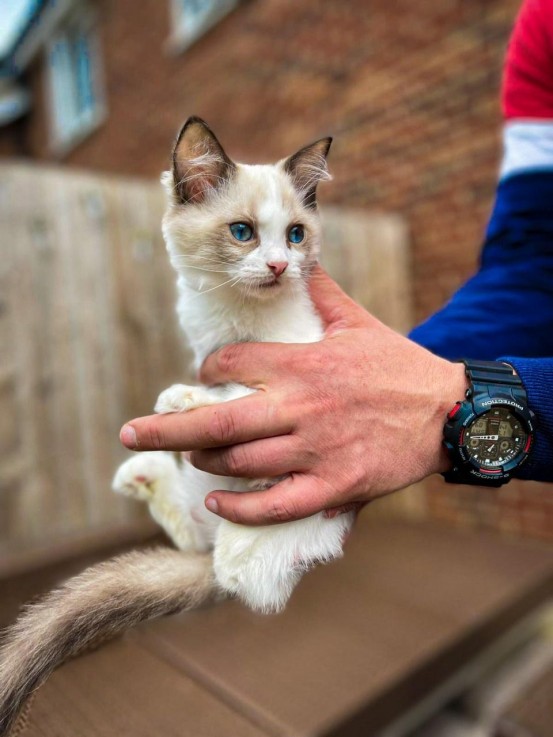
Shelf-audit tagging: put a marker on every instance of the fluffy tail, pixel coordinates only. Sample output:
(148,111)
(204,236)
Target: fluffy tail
(99,603)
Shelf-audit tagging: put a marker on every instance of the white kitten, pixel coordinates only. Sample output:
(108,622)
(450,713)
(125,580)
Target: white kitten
(243,240)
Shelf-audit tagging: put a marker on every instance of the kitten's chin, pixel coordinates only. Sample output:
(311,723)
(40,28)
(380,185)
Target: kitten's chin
(264,288)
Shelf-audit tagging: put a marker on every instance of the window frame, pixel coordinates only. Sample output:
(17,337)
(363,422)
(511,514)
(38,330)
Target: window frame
(63,139)
(181,38)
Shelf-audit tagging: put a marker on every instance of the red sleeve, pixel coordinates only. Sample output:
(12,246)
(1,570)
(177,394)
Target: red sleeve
(527,90)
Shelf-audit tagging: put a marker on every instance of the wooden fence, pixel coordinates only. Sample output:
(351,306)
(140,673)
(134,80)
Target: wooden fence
(88,337)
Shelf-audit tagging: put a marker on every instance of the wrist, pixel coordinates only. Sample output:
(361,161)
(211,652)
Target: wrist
(450,389)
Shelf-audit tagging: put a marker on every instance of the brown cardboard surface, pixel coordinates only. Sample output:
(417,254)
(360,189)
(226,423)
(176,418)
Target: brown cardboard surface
(363,638)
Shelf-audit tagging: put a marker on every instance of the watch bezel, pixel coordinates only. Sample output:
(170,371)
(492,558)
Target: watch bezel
(468,412)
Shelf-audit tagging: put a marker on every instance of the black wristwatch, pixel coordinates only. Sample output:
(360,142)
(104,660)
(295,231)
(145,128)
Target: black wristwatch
(490,434)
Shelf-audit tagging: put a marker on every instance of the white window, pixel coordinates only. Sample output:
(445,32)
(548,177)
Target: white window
(192,18)
(76,102)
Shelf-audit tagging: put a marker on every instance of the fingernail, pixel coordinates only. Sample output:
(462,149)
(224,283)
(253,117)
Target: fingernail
(211,504)
(128,437)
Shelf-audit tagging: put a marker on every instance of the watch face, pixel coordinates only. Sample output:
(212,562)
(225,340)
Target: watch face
(495,438)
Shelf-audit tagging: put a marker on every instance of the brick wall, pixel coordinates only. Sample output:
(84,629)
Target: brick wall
(408,89)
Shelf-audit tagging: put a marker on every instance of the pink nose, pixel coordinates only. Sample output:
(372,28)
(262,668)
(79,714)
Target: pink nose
(278,267)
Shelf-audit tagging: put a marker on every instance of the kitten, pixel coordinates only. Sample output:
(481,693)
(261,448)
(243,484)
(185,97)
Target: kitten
(243,240)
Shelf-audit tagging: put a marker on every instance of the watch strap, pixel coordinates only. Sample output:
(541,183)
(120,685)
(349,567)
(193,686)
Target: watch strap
(483,373)
(458,477)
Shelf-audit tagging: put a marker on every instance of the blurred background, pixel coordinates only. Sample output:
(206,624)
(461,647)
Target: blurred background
(92,93)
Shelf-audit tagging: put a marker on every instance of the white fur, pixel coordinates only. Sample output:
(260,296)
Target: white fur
(222,300)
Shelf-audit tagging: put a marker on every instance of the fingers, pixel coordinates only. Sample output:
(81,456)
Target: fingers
(270,457)
(297,496)
(253,364)
(238,421)
(246,363)
(337,310)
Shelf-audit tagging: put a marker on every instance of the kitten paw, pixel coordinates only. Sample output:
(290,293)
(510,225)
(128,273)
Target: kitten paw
(181,398)
(140,476)
(155,478)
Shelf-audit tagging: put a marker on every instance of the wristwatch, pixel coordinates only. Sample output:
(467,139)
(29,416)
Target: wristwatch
(490,434)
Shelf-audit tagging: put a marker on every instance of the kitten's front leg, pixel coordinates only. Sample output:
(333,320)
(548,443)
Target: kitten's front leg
(182,397)
(156,479)
(175,493)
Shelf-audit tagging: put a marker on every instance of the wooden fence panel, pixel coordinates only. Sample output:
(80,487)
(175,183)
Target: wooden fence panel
(80,346)
(368,255)
(88,336)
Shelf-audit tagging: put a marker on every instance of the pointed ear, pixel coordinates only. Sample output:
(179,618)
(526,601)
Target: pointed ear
(200,164)
(307,168)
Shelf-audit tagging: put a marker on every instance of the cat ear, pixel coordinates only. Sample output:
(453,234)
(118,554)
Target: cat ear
(307,167)
(200,164)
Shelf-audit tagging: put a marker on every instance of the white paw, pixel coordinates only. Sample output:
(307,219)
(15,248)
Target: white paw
(140,476)
(181,398)
(156,479)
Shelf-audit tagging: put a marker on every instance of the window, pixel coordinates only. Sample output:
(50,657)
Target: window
(76,103)
(192,18)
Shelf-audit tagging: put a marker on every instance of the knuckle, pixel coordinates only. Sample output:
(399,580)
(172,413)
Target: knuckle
(310,457)
(154,436)
(222,427)
(281,511)
(322,401)
(227,358)
(236,462)
(240,461)
(233,515)
(363,469)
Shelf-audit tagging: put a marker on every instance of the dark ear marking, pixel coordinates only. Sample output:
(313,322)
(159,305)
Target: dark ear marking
(307,167)
(200,164)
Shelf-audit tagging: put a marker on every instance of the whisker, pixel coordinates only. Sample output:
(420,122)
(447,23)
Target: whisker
(205,268)
(210,260)
(218,286)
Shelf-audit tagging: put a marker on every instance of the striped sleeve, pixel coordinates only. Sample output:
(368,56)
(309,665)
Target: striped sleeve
(506,308)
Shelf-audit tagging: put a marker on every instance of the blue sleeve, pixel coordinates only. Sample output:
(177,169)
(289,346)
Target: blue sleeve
(537,377)
(506,309)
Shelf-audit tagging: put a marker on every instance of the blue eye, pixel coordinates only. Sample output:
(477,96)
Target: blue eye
(296,234)
(241,231)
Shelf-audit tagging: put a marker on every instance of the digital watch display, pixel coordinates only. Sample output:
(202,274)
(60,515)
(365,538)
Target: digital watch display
(495,438)
(490,434)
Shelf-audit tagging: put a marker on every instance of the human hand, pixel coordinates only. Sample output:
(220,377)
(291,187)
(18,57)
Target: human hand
(353,417)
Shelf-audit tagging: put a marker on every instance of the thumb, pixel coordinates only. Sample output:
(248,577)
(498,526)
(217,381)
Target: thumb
(337,310)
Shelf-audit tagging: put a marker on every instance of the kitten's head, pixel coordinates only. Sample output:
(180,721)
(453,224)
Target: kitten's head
(252,230)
